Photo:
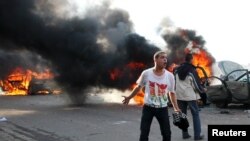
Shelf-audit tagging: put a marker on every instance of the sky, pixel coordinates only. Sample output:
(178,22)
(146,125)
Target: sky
(223,24)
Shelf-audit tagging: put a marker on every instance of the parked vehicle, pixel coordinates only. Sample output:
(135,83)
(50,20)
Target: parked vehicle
(233,88)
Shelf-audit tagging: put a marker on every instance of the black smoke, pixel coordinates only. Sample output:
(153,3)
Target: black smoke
(11,60)
(83,51)
(178,41)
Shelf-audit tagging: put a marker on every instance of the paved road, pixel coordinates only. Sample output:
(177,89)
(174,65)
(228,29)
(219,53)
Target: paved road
(51,118)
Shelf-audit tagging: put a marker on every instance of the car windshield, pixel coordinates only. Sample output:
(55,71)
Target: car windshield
(245,78)
(236,75)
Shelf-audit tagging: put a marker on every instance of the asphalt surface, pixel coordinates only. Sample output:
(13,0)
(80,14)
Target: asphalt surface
(53,118)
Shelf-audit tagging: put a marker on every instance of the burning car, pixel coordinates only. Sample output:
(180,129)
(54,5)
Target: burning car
(231,88)
(27,82)
(38,86)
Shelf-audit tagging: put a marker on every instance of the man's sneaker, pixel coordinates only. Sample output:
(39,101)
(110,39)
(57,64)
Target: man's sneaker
(199,138)
(185,135)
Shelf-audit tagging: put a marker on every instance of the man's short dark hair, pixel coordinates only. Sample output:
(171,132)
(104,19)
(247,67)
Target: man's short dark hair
(189,57)
(157,54)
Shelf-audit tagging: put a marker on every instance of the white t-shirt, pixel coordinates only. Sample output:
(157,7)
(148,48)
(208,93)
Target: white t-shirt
(156,87)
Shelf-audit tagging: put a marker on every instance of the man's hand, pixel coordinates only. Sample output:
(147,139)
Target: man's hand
(205,89)
(173,100)
(177,109)
(126,100)
(133,93)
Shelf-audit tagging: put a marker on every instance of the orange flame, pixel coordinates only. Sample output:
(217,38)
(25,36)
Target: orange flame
(43,75)
(135,65)
(116,73)
(203,60)
(17,83)
(172,67)
(139,97)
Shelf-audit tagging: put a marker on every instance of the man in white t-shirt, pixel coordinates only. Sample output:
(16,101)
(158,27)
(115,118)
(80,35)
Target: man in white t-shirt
(159,84)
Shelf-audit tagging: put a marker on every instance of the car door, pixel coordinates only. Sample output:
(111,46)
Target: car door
(238,88)
(217,91)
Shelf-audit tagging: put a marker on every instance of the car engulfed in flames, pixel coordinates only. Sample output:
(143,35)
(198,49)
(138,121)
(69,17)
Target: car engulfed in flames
(27,82)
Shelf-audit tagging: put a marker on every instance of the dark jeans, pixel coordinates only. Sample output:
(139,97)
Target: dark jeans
(203,98)
(195,114)
(161,115)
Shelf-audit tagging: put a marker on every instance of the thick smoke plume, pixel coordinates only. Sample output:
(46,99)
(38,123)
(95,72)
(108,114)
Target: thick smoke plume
(99,49)
(12,60)
(183,41)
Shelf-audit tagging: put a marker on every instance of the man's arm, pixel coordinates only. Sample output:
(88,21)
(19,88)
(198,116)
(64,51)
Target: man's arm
(173,100)
(133,93)
(196,81)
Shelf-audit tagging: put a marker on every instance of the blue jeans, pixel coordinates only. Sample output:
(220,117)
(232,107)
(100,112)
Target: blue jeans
(161,115)
(195,114)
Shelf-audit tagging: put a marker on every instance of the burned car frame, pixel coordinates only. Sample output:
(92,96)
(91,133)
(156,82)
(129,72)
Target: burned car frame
(233,88)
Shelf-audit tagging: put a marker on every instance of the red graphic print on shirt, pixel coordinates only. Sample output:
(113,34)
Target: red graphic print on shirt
(161,88)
